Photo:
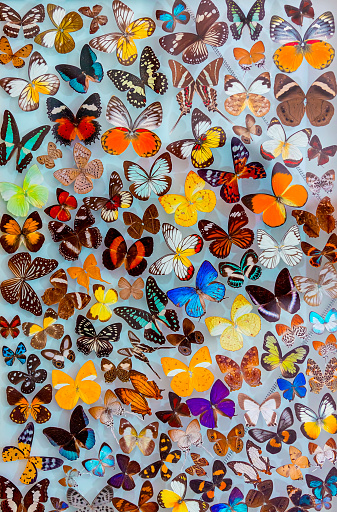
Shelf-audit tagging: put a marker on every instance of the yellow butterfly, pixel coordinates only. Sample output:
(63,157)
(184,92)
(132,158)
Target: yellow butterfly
(100,310)
(186,379)
(186,207)
(123,41)
(231,331)
(60,37)
(69,390)
(89,270)
(287,363)
(175,498)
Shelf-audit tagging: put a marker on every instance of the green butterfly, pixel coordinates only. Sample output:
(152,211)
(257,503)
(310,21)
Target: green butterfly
(31,193)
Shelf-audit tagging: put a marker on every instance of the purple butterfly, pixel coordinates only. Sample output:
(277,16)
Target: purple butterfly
(209,409)
(124,479)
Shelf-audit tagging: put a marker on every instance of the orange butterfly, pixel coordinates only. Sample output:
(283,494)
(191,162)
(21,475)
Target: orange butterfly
(248,58)
(89,270)
(143,388)
(273,206)
(17,57)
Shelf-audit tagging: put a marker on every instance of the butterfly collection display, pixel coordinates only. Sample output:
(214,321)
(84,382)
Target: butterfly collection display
(206,265)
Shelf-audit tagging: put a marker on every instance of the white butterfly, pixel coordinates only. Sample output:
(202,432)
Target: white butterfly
(274,251)
(326,182)
(253,97)
(40,82)
(266,408)
(187,438)
(314,290)
(99,504)
(319,324)
(328,452)
(287,147)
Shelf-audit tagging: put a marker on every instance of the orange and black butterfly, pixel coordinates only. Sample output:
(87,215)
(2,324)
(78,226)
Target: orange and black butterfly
(238,234)
(10,328)
(316,255)
(15,235)
(207,488)
(143,389)
(166,455)
(146,493)
(23,408)
(229,180)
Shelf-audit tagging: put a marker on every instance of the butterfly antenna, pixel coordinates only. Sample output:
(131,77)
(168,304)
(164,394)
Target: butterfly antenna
(218,111)
(154,371)
(176,124)
(113,433)
(209,453)
(184,463)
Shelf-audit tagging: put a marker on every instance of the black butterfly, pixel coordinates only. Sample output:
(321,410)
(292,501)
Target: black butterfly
(148,67)
(256,13)
(89,340)
(31,378)
(165,455)
(282,435)
(89,71)
(79,436)
(207,488)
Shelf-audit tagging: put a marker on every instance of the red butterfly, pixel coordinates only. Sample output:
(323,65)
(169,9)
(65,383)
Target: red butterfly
(10,329)
(322,154)
(61,211)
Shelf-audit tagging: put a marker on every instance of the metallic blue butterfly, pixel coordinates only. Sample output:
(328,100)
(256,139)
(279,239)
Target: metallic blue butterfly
(297,387)
(10,356)
(105,459)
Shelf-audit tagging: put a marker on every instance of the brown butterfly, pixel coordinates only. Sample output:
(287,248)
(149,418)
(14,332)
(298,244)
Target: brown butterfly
(184,341)
(149,222)
(317,151)
(320,378)
(326,182)
(146,493)
(313,223)
(111,407)
(260,497)
(53,154)
(253,97)
(112,372)
(135,289)
(23,408)
(97,19)
(246,132)
(233,440)
(198,465)
(247,371)
(329,251)
(40,334)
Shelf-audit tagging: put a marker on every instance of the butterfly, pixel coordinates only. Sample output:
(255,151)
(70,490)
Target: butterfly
(166,455)
(144,439)
(64,24)
(301,501)
(314,290)
(294,101)
(312,224)
(143,388)
(312,422)
(24,147)
(182,249)
(149,222)
(40,334)
(270,304)
(57,357)
(18,289)
(39,82)
(135,87)
(229,191)
(31,378)
(329,251)
(235,503)
(33,463)
(69,480)
(253,97)
(122,371)
(156,180)
(145,494)
(83,387)
(28,22)
(172,417)
(16,58)
(289,334)
(184,341)
(246,132)
(246,59)
(112,407)
(89,271)
(257,462)
(179,15)
(236,273)
(10,328)
(203,85)
(198,465)
(298,462)
(326,182)
(105,460)
(128,468)
(100,502)
(15,235)
(186,438)
(208,410)
(90,340)
(144,141)
(312,46)
(317,151)
(321,488)
(194,298)
(209,31)
(233,440)
(58,505)
(273,251)
(127,289)
(185,208)
(79,436)
(305,10)
(256,13)
(33,499)
(66,202)
(101,310)
(287,147)
(49,160)
(320,378)
(287,363)
(10,356)
(328,452)
(235,374)
(150,321)
(266,408)
(205,138)
(133,258)
(72,240)
(283,433)
(123,41)
(97,19)
(207,488)
(330,346)
(89,71)
(23,408)
(176,497)
(196,376)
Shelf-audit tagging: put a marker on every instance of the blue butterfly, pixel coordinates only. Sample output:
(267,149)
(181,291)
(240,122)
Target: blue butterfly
(297,387)
(320,488)
(179,15)
(105,459)
(319,323)
(89,71)
(194,298)
(10,356)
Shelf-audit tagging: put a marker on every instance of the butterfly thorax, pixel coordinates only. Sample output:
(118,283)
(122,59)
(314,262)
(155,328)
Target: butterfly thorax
(114,203)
